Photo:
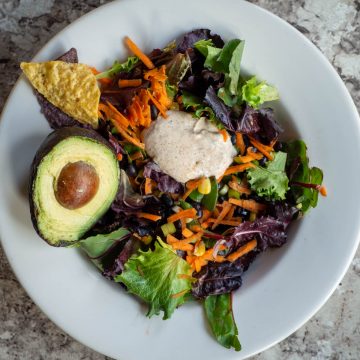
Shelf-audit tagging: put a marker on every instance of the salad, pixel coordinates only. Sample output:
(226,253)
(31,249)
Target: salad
(168,171)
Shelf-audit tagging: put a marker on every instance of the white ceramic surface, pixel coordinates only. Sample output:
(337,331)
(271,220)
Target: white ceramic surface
(282,289)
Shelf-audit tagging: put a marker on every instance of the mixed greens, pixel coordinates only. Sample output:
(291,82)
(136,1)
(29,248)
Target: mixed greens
(169,242)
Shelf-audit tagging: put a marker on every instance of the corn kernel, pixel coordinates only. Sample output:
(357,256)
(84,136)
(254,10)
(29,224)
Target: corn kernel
(200,249)
(205,186)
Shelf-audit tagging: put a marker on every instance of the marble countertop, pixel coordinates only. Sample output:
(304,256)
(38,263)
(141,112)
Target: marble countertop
(333,333)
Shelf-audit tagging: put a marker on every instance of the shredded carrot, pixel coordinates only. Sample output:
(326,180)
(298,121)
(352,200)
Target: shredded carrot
(157,74)
(157,79)
(197,265)
(105,80)
(239,188)
(250,205)
(187,233)
(179,294)
(225,222)
(170,239)
(148,186)
(136,155)
(240,143)
(188,213)
(264,149)
(323,191)
(112,113)
(137,52)
(238,168)
(190,258)
(251,245)
(250,151)
(128,137)
(94,70)
(193,238)
(123,83)
(206,214)
(183,223)
(216,211)
(191,185)
(243,159)
(148,216)
(119,156)
(196,228)
(226,208)
(230,214)
(250,156)
(158,106)
(181,245)
(205,225)
(224,134)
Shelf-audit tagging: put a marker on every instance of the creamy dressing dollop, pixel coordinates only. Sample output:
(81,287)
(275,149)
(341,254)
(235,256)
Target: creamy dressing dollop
(186,148)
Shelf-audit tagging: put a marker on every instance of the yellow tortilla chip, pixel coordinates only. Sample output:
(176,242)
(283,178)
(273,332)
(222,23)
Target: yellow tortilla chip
(70,87)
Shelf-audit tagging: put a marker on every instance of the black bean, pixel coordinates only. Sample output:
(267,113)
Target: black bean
(154,112)
(197,206)
(278,146)
(263,161)
(143,230)
(177,225)
(242,212)
(167,200)
(221,199)
(246,141)
(233,138)
(131,170)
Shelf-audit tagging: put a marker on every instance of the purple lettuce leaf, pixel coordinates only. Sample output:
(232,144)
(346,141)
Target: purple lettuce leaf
(198,83)
(160,57)
(165,182)
(267,230)
(222,112)
(190,38)
(115,144)
(114,265)
(122,98)
(258,122)
(221,278)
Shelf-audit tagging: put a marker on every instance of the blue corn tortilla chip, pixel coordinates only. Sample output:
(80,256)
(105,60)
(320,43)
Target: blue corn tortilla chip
(54,116)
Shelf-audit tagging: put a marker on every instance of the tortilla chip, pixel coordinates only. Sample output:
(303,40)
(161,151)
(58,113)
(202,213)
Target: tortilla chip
(70,87)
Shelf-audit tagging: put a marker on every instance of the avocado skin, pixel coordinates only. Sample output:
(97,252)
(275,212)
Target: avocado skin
(48,144)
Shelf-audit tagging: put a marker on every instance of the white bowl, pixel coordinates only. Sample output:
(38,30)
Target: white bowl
(283,288)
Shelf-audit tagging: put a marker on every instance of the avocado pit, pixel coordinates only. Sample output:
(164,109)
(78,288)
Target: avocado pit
(77,184)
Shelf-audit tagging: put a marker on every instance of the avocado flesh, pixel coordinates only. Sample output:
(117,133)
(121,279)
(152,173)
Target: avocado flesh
(56,224)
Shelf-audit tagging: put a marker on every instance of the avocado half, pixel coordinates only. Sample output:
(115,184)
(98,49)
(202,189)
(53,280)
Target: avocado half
(74,179)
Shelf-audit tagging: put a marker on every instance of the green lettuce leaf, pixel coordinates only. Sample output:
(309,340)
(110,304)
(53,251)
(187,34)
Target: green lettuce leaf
(255,93)
(117,67)
(195,104)
(224,94)
(202,46)
(305,198)
(219,313)
(226,60)
(154,277)
(270,181)
(171,90)
(96,246)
